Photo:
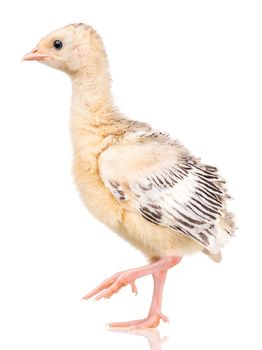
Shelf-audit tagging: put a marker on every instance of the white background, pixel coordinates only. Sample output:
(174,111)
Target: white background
(192,68)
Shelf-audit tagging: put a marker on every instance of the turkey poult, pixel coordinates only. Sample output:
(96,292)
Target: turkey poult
(138,181)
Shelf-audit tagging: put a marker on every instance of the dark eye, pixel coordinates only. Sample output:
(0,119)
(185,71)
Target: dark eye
(58,44)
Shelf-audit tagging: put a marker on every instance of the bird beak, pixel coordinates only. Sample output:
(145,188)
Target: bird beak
(37,55)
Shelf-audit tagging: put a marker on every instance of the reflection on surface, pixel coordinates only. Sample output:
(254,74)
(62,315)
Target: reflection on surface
(152,335)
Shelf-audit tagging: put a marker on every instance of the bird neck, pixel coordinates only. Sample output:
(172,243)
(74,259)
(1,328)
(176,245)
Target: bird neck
(91,95)
(92,111)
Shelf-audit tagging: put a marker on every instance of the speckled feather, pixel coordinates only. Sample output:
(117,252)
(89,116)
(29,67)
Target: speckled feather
(152,175)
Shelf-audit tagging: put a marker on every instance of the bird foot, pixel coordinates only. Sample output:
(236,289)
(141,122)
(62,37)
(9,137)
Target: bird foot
(112,285)
(151,321)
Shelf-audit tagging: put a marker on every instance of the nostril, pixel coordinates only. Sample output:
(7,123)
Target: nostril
(35,50)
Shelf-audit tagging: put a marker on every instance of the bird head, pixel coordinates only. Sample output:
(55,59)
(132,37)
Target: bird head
(71,49)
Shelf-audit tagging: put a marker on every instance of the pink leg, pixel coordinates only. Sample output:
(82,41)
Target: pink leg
(112,285)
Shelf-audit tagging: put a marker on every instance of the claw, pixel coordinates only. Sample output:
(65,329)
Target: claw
(164,318)
(134,288)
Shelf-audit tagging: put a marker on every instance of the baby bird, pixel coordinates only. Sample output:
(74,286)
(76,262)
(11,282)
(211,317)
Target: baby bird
(142,184)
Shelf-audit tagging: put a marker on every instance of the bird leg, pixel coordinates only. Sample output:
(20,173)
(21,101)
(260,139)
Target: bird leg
(155,314)
(112,285)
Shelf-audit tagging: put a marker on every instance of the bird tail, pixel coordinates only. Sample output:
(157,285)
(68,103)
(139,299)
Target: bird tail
(221,231)
(217,257)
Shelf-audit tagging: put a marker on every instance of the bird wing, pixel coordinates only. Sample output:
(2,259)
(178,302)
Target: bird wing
(152,175)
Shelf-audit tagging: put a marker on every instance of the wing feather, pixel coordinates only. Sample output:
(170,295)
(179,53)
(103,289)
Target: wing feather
(160,180)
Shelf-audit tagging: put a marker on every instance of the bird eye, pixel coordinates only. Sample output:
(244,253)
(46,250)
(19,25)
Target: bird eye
(58,44)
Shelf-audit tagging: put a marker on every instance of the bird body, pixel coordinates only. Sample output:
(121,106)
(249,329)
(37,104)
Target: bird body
(142,184)
(124,149)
